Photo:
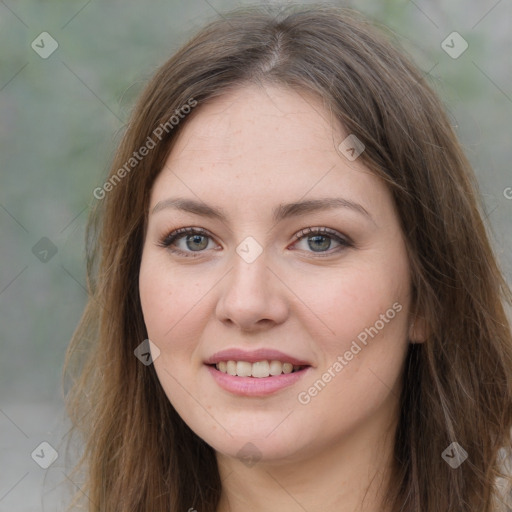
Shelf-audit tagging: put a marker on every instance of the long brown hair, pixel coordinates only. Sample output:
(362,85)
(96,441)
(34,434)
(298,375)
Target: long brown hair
(139,455)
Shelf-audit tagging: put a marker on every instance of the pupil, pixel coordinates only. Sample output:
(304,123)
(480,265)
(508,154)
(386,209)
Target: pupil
(323,246)
(196,239)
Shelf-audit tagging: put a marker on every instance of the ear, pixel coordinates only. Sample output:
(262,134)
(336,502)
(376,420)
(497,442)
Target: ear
(418,331)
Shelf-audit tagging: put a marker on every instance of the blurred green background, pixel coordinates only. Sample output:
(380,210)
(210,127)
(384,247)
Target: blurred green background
(61,118)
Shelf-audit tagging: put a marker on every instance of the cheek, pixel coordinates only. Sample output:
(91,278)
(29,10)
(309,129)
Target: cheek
(173,304)
(173,312)
(154,298)
(344,304)
(362,341)
(161,298)
(358,375)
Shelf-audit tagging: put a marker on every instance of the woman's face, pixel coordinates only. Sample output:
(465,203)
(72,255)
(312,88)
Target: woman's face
(298,262)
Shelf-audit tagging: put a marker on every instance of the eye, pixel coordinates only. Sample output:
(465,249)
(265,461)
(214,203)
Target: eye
(195,240)
(321,239)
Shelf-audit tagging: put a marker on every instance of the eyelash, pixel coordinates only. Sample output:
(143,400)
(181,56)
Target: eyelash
(169,239)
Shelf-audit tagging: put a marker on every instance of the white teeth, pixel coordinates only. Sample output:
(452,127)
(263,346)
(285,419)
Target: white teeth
(276,368)
(230,367)
(287,368)
(259,369)
(243,369)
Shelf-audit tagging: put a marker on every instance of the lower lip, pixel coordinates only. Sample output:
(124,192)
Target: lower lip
(254,386)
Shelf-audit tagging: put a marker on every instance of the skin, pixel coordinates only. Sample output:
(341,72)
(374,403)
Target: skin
(246,152)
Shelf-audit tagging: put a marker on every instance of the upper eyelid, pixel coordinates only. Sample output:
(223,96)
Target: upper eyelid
(319,229)
(188,230)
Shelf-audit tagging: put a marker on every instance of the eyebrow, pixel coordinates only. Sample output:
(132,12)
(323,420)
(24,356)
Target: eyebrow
(281,212)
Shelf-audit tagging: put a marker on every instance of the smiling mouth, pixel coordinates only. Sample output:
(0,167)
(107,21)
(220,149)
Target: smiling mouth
(259,369)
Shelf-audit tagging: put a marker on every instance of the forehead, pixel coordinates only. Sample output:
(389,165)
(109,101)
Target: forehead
(262,143)
(269,121)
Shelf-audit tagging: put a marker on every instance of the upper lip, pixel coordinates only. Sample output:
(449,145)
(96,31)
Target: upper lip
(253,356)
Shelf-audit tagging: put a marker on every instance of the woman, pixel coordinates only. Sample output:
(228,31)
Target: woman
(294,303)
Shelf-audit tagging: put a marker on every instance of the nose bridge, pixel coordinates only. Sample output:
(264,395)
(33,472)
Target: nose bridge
(250,273)
(251,292)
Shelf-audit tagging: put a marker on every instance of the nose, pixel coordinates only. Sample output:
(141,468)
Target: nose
(253,297)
